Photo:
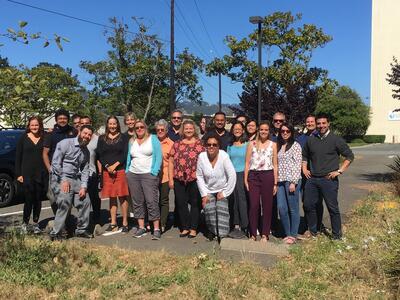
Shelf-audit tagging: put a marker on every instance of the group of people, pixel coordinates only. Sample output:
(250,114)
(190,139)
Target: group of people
(239,180)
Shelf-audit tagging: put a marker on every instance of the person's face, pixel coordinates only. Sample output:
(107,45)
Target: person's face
(188,131)
(237,130)
(251,127)
(140,129)
(212,146)
(219,121)
(176,119)
(278,120)
(130,123)
(112,125)
(322,125)
(85,121)
(242,120)
(85,136)
(161,132)
(203,124)
(285,133)
(34,126)
(76,123)
(311,124)
(264,131)
(62,120)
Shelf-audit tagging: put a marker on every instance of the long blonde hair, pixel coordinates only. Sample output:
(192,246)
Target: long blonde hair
(190,122)
(146,134)
(258,140)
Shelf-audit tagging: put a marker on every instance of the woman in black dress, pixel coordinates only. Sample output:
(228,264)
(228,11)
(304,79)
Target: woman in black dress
(31,171)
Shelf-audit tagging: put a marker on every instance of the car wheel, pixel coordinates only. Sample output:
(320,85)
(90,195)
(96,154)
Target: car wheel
(7,190)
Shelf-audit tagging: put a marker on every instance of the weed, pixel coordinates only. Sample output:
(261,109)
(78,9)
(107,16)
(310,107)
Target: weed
(131,270)
(91,259)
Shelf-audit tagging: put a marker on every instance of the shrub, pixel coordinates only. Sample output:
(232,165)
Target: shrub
(374,139)
(395,166)
(358,141)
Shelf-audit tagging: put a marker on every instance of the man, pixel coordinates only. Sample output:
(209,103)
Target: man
(322,152)
(242,119)
(60,132)
(311,128)
(76,121)
(70,175)
(93,183)
(277,120)
(219,127)
(176,121)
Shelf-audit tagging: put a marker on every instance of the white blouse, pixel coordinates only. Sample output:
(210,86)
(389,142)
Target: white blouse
(141,157)
(261,160)
(220,178)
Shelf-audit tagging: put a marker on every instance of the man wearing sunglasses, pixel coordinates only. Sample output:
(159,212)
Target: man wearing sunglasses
(176,122)
(277,120)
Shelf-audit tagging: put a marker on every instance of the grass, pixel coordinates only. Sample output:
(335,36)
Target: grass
(365,265)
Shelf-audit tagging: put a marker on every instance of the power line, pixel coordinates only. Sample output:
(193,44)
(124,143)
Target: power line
(73,17)
(205,28)
(215,88)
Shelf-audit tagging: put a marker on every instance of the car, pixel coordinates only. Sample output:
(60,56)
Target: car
(10,189)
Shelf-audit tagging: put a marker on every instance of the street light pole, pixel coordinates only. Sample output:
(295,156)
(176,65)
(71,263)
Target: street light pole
(172,101)
(258,20)
(219,93)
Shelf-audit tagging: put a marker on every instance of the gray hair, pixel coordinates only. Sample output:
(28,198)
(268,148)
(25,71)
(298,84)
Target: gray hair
(163,123)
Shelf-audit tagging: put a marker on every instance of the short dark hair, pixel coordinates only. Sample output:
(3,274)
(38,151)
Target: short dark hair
(310,116)
(86,117)
(220,113)
(242,116)
(213,135)
(87,127)
(176,110)
(61,112)
(323,116)
(243,137)
(75,116)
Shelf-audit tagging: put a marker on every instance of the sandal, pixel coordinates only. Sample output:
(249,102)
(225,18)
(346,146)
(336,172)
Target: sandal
(253,238)
(264,239)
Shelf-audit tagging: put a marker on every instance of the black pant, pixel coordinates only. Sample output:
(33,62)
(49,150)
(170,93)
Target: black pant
(320,206)
(328,189)
(34,193)
(187,194)
(238,204)
(93,191)
(164,203)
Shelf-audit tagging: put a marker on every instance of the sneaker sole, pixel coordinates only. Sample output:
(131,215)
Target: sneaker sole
(139,236)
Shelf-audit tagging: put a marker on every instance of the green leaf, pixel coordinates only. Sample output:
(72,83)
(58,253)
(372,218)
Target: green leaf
(18,89)
(22,24)
(46,43)
(59,44)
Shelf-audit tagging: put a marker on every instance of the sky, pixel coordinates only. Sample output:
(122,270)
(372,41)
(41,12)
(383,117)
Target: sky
(346,57)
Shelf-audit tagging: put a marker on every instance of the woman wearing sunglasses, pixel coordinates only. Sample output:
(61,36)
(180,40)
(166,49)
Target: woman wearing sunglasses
(216,179)
(289,182)
(142,168)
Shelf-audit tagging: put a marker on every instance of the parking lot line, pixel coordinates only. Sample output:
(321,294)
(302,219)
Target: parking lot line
(19,212)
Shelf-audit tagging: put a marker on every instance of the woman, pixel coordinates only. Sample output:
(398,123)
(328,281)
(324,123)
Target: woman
(260,179)
(182,178)
(238,203)
(142,168)
(111,152)
(203,127)
(289,182)
(129,120)
(251,129)
(216,178)
(166,145)
(31,171)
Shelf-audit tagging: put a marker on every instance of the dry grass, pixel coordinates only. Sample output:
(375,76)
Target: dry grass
(366,265)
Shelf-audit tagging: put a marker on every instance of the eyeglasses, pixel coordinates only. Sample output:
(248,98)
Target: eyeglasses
(176,118)
(278,121)
(212,145)
(139,127)
(285,131)
(160,130)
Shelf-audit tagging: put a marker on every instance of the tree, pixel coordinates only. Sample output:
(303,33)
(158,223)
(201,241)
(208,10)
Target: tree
(289,83)
(348,113)
(135,75)
(394,79)
(37,91)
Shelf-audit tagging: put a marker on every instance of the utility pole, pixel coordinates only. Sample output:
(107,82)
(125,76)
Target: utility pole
(172,104)
(219,93)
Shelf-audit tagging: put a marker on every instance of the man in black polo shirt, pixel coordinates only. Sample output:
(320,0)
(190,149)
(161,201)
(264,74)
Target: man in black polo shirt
(176,122)
(322,151)
(277,120)
(219,124)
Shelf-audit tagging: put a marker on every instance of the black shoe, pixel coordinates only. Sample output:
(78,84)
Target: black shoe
(210,236)
(124,229)
(84,234)
(57,237)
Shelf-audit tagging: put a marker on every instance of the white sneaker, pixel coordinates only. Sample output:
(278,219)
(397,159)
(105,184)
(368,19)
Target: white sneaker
(36,229)
(24,228)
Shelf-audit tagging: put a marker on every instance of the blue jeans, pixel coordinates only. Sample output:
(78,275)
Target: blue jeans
(328,189)
(288,207)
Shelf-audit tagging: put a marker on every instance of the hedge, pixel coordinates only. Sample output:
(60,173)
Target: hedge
(374,139)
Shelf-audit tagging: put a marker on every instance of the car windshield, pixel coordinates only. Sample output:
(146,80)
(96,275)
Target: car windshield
(8,141)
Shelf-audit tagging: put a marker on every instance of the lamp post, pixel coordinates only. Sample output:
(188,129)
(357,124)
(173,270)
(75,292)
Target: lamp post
(258,20)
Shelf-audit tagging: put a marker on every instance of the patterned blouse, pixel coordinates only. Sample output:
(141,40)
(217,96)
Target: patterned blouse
(261,160)
(185,158)
(289,164)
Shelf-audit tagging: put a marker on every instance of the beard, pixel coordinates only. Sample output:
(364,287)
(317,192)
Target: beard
(82,142)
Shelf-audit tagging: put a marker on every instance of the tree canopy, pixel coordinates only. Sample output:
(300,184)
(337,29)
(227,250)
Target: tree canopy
(394,78)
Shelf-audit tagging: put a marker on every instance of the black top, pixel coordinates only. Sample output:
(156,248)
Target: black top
(57,135)
(226,139)
(323,153)
(173,136)
(29,161)
(110,151)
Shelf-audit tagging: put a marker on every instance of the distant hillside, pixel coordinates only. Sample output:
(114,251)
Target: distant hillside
(205,108)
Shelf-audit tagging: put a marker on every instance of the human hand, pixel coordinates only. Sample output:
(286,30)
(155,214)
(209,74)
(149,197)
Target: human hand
(220,196)
(204,201)
(246,184)
(171,184)
(65,186)
(307,173)
(333,175)
(275,189)
(20,179)
(82,193)
(292,188)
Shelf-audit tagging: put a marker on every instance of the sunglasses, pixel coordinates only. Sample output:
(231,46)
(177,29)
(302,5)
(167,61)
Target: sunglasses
(160,130)
(139,127)
(212,145)
(285,131)
(278,121)
(176,118)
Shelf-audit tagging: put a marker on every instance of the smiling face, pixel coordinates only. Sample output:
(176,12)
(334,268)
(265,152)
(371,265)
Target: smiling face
(278,120)
(112,126)
(203,124)
(219,121)
(285,133)
(176,119)
(130,123)
(84,136)
(76,122)
(237,130)
(322,125)
(188,131)
(161,132)
(62,120)
(264,131)
(34,126)
(212,147)
(251,128)
(140,129)
(311,125)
